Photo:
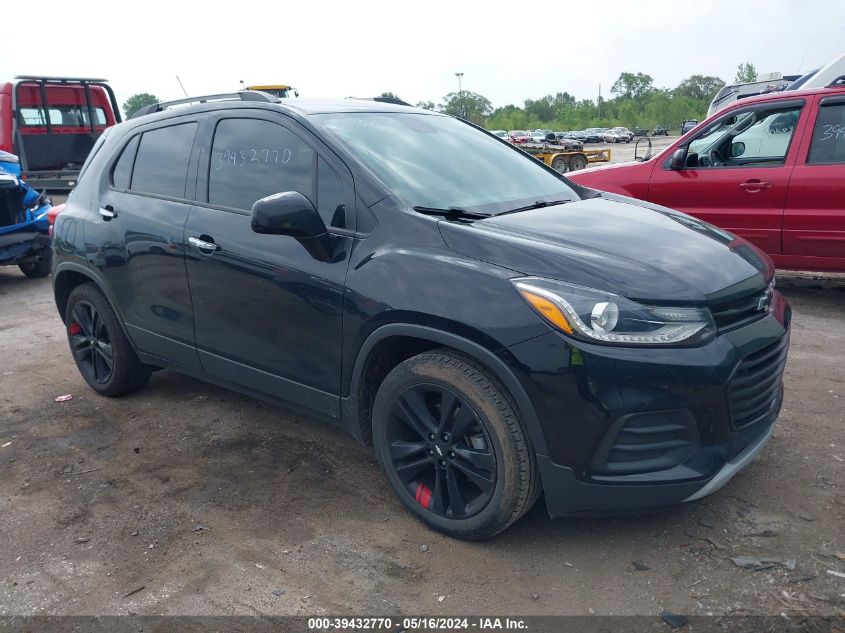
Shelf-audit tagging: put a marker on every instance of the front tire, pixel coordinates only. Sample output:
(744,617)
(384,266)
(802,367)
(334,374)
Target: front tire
(560,164)
(450,442)
(102,353)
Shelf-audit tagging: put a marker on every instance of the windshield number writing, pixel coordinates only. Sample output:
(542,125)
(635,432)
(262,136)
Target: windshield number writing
(251,156)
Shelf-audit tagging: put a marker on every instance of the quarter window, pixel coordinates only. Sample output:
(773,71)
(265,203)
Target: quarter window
(161,165)
(122,174)
(331,202)
(828,143)
(252,159)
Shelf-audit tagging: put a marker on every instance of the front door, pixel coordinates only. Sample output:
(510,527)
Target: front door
(736,173)
(268,314)
(814,221)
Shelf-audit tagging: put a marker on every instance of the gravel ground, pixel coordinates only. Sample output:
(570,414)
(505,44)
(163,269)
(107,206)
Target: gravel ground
(189,499)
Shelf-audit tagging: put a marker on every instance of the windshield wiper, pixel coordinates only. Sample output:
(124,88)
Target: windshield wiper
(537,205)
(451,212)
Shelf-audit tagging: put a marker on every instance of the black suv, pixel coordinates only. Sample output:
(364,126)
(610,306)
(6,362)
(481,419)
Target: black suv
(494,330)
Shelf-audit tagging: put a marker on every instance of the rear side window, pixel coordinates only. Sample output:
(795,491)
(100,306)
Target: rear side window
(161,164)
(828,143)
(251,159)
(122,174)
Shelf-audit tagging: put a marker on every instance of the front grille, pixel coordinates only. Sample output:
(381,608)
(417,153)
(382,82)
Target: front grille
(646,442)
(755,387)
(743,310)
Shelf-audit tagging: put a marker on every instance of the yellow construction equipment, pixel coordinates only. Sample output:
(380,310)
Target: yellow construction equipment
(277,90)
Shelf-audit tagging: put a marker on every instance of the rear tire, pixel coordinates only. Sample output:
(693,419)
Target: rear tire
(103,354)
(450,442)
(579,161)
(39,268)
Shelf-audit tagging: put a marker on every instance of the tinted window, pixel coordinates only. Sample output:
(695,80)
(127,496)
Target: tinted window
(330,199)
(828,143)
(251,159)
(122,174)
(162,160)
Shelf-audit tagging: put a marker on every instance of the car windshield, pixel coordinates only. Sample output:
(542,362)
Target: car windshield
(439,162)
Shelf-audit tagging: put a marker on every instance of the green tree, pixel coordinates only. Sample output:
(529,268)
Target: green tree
(390,95)
(745,73)
(467,105)
(138,101)
(702,87)
(426,105)
(633,86)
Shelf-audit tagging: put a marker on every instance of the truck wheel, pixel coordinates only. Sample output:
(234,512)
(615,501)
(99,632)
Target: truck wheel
(579,161)
(560,164)
(40,267)
(102,352)
(450,442)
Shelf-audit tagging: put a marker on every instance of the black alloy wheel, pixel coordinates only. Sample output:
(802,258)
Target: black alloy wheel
(441,452)
(102,352)
(90,343)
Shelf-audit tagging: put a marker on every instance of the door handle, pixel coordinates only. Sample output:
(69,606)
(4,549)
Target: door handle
(753,186)
(107,212)
(203,245)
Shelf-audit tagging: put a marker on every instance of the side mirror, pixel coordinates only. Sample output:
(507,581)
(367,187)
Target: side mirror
(737,149)
(291,213)
(287,213)
(679,159)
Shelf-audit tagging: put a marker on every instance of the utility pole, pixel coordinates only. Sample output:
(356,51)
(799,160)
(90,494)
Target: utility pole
(599,102)
(461,95)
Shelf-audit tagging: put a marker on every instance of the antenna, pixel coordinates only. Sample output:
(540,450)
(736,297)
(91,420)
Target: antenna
(181,86)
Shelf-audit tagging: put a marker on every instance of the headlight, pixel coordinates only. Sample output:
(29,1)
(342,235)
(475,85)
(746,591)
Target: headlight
(602,317)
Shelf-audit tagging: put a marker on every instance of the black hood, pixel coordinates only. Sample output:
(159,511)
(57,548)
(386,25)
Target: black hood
(616,244)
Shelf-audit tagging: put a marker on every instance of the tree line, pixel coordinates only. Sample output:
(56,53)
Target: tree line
(635,102)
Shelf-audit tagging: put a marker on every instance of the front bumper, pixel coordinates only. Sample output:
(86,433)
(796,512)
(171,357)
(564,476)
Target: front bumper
(626,428)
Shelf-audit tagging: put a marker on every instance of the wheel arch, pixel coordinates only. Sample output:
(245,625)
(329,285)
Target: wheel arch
(393,343)
(69,275)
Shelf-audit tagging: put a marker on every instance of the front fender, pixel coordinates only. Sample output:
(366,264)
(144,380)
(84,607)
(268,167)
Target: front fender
(492,361)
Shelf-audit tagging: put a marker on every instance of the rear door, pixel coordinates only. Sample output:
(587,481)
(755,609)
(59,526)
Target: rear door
(136,237)
(814,221)
(737,172)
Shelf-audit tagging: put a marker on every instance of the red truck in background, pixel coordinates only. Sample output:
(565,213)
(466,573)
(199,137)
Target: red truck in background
(51,124)
(770,169)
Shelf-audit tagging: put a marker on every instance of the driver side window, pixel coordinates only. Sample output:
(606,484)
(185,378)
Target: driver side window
(759,137)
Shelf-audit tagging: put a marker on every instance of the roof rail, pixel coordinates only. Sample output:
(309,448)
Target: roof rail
(243,95)
(838,82)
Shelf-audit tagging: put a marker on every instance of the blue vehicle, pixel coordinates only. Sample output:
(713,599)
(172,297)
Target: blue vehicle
(24,225)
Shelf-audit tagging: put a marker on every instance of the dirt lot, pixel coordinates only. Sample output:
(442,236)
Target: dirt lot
(189,499)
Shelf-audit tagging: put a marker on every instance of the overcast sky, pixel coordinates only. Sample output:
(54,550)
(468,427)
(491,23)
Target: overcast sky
(508,51)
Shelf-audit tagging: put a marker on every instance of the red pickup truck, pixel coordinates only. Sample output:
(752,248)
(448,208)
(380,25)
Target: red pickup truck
(770,169)
(51,123)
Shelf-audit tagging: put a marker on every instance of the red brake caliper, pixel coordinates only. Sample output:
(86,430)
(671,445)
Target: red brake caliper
(74,329)
(423,495)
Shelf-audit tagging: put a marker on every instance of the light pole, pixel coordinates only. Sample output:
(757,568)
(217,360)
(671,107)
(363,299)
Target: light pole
(461,95)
